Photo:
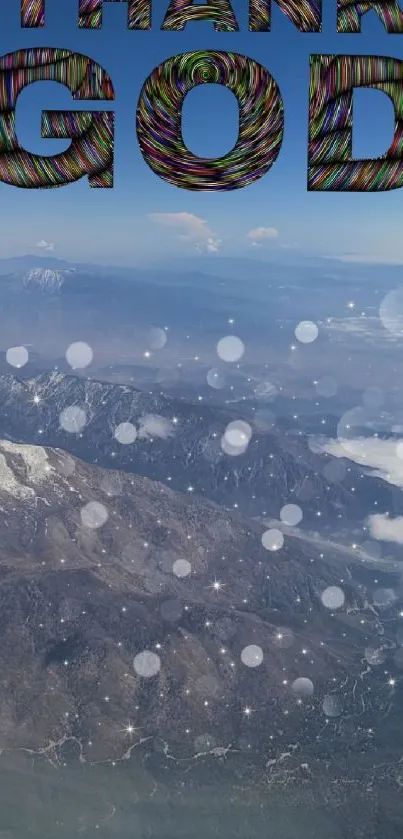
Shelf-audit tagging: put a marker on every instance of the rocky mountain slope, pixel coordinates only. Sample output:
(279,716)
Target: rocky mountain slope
(132,616)
(181,444)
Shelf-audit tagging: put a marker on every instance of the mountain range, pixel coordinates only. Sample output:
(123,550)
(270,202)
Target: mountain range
(196,303)
(156,602)
(133,615)
(233,621)
(183,444)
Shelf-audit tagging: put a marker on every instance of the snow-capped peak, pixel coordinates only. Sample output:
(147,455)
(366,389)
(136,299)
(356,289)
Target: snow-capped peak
(49,279)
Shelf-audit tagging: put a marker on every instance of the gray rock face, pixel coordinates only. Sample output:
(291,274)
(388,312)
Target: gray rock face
(108,644)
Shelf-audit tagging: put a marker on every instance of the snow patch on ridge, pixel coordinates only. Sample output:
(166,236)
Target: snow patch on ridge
(47,279)
(35,463)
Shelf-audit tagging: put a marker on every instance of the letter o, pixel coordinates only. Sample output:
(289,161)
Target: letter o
(159,121)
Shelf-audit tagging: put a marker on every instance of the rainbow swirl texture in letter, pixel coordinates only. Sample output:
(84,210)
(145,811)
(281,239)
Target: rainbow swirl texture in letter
(181,12)
(330,164)
(159,118)
(306,15)
(138,13)
(350,12)
(32,13)
(91,132)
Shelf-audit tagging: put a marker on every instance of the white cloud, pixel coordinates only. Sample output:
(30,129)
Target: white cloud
(211,246)
(354,325)
(386,529)
(152,425)
(193,229)
(262,234)
(377,454)
(44,245)
(366,329)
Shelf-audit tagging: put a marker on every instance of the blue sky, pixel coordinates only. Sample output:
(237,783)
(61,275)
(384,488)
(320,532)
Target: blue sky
(145,217)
